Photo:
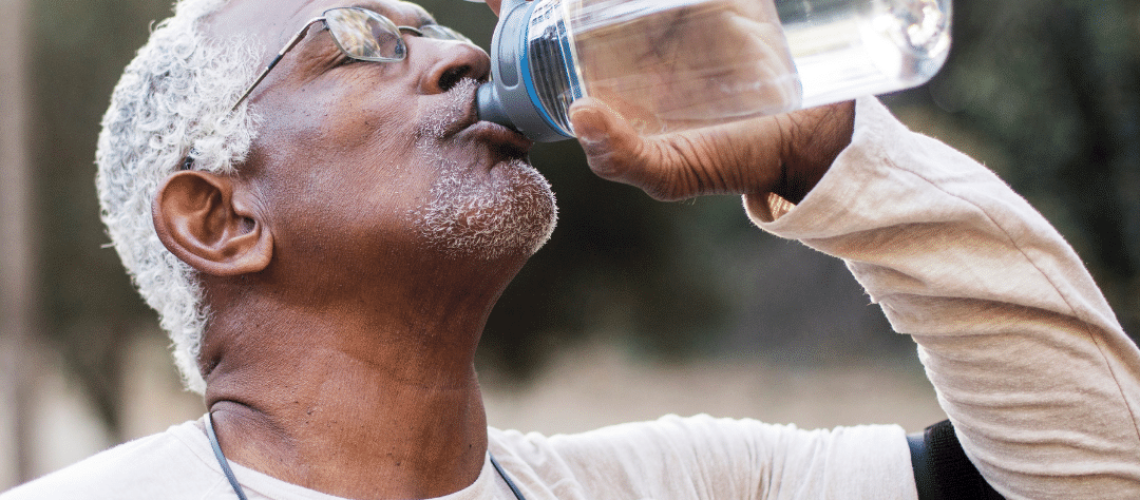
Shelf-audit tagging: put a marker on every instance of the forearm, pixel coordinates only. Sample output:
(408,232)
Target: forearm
(1027,358)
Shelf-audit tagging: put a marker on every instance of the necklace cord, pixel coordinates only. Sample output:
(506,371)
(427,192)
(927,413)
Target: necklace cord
(222,458)
(241,493)
(506,478)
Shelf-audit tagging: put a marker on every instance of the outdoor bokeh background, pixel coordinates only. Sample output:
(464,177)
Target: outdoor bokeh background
(634,309)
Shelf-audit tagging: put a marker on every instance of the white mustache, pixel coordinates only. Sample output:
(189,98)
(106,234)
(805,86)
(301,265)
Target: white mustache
(458,112)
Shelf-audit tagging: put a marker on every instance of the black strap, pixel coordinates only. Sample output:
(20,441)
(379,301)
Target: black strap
(241,493)
(222,458)
(503,474)
(941,469)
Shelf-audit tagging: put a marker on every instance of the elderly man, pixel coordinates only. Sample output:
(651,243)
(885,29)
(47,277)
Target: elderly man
(325,252)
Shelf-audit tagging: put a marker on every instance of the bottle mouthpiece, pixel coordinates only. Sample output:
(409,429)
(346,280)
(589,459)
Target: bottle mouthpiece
(511,98)
(488,106)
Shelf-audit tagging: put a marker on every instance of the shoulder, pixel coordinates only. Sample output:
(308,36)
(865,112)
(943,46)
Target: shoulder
(674,451)
(671,447)
(669,431)
(665,459)
(166,465)
(674,458)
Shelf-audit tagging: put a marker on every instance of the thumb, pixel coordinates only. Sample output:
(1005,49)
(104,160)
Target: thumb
(613,148)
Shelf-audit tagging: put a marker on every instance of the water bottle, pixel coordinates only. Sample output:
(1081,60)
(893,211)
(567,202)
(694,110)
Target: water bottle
(675,65)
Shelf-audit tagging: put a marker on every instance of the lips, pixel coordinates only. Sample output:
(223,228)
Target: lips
(502,140)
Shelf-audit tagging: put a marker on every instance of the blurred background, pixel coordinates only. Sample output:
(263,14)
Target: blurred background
(634,309)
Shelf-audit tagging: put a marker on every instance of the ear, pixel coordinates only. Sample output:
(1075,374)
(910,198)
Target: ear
(202,222)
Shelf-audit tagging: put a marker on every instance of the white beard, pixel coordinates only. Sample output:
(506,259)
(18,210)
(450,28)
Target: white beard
(510,211)
(513,213)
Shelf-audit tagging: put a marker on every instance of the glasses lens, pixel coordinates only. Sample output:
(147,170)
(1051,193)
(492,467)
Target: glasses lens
(365,35)
(441,32)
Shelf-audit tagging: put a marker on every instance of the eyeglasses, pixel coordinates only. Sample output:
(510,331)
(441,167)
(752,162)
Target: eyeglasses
(362,35)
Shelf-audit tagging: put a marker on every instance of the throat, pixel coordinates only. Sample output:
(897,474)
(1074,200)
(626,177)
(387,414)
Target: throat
(223,462)
(404,439)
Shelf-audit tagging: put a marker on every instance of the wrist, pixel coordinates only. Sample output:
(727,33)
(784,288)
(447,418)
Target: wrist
(815,138)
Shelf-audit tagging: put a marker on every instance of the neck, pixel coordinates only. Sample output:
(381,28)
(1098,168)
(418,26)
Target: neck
(404,441)
(370,397)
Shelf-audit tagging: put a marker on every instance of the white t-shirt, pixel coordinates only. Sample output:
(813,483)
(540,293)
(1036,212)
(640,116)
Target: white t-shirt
(671,458)
(1026,356)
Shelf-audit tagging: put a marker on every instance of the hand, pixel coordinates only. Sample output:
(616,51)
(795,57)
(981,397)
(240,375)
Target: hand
(785,154)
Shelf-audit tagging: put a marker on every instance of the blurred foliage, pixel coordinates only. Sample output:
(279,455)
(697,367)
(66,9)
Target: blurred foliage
(90,309)
(1043,91)
(1050,89)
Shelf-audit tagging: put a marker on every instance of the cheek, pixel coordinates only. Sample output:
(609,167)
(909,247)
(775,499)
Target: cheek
(330,200)
(353,111)
(344,148)
(334,219)
(344,173)
(368,125)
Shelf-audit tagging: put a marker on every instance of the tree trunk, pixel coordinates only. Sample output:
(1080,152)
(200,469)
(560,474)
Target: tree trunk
(17,282)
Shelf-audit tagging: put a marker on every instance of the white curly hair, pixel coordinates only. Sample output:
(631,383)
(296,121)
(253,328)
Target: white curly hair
(173,102)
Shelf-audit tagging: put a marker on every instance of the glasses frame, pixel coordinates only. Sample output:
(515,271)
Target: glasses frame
(434,31)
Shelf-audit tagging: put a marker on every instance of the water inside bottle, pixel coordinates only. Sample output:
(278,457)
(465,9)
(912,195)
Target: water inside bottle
(674,65)
(669,65)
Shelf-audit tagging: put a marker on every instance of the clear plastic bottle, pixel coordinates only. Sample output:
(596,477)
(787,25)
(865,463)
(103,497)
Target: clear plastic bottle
(673,65)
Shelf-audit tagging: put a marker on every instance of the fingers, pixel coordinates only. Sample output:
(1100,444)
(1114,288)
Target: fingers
(616,152)
(608,140)
(784,154)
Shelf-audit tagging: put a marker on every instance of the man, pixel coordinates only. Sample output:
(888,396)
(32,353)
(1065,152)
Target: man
(325,255)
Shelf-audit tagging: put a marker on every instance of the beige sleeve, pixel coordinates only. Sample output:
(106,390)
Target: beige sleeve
(1026,356)
(705,458)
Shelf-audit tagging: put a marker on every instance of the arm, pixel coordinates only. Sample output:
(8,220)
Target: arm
(1027,358)
(702,458)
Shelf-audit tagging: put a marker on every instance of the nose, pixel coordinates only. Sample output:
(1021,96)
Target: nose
(454,61)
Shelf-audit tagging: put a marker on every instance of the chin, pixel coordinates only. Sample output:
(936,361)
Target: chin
(509,212)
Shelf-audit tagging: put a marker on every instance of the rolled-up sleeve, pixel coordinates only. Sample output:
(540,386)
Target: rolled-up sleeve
(1025,354)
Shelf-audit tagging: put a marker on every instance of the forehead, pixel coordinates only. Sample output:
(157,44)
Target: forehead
(274,21)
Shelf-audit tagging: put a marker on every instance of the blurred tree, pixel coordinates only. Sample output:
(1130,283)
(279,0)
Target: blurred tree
(91,311)
(17,249)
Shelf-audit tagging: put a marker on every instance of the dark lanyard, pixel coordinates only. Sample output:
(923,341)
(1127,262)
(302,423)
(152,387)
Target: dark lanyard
(241,493)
